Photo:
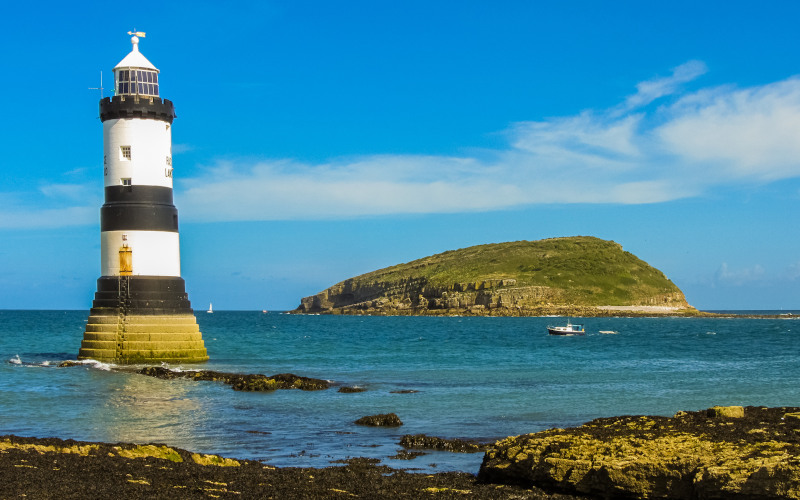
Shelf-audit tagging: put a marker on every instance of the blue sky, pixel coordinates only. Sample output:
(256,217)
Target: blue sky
(320,140)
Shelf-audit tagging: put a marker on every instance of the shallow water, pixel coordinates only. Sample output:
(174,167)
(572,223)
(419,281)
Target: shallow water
(477,378)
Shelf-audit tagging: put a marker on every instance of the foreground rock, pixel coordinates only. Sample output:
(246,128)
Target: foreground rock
(54,468)
(724,452)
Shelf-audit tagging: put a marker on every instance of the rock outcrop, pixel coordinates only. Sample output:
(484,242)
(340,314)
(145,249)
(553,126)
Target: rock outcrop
(251,382)
(382,420)
(576,276)
(723,452)
(425,442)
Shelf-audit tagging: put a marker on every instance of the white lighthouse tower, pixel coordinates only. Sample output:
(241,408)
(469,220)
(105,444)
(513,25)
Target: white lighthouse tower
(141,312)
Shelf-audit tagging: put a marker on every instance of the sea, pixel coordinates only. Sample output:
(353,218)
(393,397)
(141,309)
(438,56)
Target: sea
(477,378)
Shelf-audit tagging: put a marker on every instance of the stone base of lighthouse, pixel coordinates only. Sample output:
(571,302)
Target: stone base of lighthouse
(142,319)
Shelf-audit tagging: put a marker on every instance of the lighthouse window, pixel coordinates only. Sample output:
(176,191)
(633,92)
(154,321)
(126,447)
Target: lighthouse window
(125,152)
(126,181)
(132,82)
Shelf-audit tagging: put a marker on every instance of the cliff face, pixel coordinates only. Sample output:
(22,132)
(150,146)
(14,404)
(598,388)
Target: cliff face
(564,275)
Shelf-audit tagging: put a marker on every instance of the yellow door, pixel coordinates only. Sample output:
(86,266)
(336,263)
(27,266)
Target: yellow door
(125,261)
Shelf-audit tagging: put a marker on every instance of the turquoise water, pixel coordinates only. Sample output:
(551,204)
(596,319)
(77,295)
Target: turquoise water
(478,378)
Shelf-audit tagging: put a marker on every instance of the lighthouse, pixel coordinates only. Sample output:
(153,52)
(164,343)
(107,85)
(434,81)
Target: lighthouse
(141,312)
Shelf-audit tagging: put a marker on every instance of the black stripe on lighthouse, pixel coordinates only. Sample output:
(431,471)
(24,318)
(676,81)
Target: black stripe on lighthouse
(139,194)
(139,208)
(139,218)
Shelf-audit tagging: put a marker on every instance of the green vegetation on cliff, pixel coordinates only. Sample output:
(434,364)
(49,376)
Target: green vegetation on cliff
(592,271)
(576,271)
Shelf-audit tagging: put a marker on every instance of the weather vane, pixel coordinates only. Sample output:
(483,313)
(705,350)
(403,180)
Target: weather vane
(140,34)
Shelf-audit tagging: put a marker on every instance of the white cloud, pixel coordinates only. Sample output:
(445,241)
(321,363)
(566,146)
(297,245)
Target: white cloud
(80,192)
(650,90)
(792,273)
(738,133)
(48,217)
(53,205)
(630,154)
(738,277)
(633,153)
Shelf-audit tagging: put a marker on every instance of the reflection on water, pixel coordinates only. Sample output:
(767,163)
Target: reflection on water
(135,406)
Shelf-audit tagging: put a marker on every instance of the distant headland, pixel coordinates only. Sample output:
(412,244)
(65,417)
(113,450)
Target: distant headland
(576,276)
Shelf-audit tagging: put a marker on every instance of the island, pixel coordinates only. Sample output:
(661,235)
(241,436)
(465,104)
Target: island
(571,276)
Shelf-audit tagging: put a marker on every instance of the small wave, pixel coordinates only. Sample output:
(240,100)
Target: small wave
(16,360)
(97,365)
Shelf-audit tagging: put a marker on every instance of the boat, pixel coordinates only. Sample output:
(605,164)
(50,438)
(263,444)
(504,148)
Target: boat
(210,309)
(570,329)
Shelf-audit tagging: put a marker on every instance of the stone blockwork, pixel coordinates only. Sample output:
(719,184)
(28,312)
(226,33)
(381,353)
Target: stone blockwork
(720,453)
(496,296)
(129,339)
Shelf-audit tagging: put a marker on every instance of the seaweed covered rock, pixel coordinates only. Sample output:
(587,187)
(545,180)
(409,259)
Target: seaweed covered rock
(425,442)
(704,454)
(241,382)
(382,420)
(351,390)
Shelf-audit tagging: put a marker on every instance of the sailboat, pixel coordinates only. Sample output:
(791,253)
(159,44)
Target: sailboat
(210,309)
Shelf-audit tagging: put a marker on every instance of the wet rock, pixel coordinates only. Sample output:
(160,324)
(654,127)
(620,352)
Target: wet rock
(280,381)
(159,372)
(240,382)
(692,455)
(351,390)
(407,455)
(382,420)
(253,383)
(65,364)
(291,381)
(425,442)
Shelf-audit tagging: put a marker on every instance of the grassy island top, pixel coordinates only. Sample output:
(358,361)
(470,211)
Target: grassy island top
(589,269)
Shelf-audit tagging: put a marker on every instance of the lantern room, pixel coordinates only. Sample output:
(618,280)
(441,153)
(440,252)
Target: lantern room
(135,75)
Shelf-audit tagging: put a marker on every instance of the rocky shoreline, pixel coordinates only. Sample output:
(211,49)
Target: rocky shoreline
(719,453)
(66,469)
